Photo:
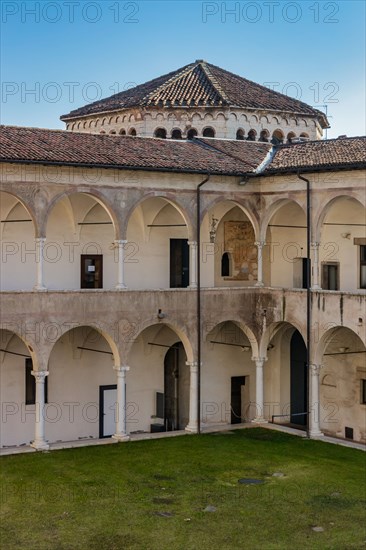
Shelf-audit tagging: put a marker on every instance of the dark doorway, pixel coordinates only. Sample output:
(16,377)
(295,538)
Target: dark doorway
(171,387)
(236,403)
(91,271)
(298,380)
(179,263)
(305,262)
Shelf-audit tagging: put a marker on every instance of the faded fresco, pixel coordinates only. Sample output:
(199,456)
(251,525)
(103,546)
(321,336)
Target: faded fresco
(239,242)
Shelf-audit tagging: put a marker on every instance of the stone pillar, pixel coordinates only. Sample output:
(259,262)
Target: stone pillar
(121,272)
(192,264)
(121,430)
(259,389)
(193,398)
(314,402)
(316,271)
(39,286)
(39,442)
(260,245)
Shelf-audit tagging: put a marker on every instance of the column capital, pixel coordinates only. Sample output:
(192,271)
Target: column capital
(260,244)
(259,360)
(121,368)
(40,240)
(120,242)
(315,369)
(40,375)
(315,244)
(192,243)
(193,365)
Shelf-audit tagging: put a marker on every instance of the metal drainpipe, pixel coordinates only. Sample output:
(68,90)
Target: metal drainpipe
(308,294)
(198,262)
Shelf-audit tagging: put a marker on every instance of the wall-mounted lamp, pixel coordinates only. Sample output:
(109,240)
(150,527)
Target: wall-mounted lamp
(245,348)
(161,314)
(346,235)
(360,322)
(343,350)
(270,346)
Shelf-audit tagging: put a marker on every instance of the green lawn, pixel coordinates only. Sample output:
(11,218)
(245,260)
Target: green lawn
(152,495)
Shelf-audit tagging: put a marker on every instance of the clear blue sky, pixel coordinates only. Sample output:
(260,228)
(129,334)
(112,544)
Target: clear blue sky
(69,52)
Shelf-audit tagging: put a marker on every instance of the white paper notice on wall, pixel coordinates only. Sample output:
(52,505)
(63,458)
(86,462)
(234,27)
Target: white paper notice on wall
(91,268)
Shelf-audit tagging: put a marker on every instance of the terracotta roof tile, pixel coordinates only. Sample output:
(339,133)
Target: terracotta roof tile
(320,155)
(201,84)
(202,155)
(35,145)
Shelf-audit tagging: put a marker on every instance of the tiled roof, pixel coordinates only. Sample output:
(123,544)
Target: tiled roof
(200,84)
(214,156)
(320,155)
(37,145)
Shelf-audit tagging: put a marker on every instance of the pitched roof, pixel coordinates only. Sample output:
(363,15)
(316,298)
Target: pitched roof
(200,84)
(36,145)
(319,155)
(202,155)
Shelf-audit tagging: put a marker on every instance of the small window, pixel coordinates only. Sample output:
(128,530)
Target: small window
(348,432)
(132,132)
(251,135)
(122,132)
(240,134)
(225,265)
(30,384)
(330,276)
(363,266)
(191,133)
(160,133)
(208,132)
(176,134)
(264,136)
(363,391)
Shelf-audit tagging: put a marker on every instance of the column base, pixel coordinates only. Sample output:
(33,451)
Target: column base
(40,445)
(316,287)
(194,285)
(259,284)
(314,434)
(121,437)
(121,287)
(39,288)
(259,420)
(191,429)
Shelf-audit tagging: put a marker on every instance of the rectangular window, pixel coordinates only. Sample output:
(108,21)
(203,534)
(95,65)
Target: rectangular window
(30,384)
(363,391)
(363,266)
(330,276)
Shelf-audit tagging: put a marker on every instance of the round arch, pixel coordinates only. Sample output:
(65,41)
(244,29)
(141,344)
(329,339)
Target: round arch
(245,209)
(276,328)
(33,353)
(326,209)
(177,329)
(271,210)
(28,209)
(328,338)
(100,199)
(244,328)
(169,200)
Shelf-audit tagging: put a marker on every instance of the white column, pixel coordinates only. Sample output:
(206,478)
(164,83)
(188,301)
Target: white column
(39,259)
(193,398)
(316,273)
(121,430)
(39,442)
(260,245)
(259,389)
(314,402)
(121,273)
(192,264)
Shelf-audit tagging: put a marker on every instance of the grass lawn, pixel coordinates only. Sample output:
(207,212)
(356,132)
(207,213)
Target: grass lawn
(152,495)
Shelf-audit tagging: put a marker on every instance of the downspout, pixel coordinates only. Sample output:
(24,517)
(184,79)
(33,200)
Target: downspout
(308,294)
(198,262)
